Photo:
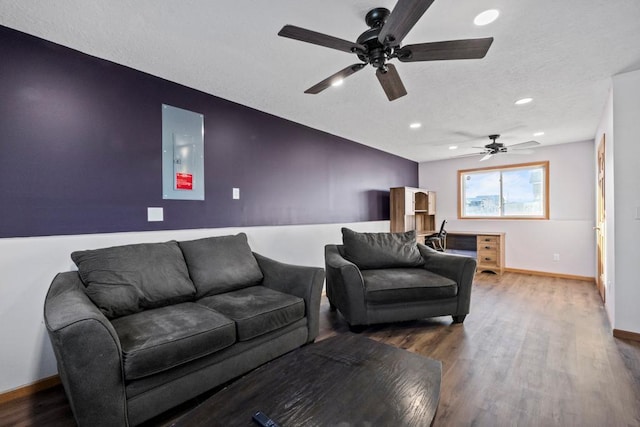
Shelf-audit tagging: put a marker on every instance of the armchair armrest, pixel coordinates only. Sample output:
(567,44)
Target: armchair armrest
(88,353)
(301,281)
(459,268)
(345,286)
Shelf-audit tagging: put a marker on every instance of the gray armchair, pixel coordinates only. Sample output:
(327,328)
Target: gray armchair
(388,277)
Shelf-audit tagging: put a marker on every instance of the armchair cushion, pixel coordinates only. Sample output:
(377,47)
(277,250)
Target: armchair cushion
(156,340)
(398,285)
(381,250)
(221,264)
(257,310)
(127,279)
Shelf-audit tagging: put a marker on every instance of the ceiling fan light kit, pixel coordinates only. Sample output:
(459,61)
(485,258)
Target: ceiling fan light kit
(382,43)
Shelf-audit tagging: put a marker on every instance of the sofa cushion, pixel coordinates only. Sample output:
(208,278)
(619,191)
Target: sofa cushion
(381,250)
(257,310)
(221,264)
(156,340)
(400,285)
(127,279)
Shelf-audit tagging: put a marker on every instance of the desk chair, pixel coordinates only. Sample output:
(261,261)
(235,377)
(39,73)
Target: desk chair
(437,241)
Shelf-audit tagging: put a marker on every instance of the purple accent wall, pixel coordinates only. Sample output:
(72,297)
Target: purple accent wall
(80,152)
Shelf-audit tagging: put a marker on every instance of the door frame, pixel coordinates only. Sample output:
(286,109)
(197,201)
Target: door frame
(601,220)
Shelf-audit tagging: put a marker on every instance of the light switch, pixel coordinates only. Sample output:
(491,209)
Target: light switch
(155,214)
(236,193)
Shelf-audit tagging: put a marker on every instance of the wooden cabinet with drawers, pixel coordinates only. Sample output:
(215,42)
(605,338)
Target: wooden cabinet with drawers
(490,252)
(487,247)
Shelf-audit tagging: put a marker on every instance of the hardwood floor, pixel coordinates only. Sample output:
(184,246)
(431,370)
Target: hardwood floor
(534,351)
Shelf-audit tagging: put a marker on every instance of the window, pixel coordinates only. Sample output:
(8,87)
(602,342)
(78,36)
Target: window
(509,192)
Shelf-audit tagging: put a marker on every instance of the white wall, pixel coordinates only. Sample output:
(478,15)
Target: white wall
(626,171)
(530,244)
(28,266)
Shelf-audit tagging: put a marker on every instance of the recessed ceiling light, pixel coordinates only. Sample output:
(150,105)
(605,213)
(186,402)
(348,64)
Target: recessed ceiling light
(486,17)
(523,101)
(415,125)
(538,134)
(337,82)
(453,147)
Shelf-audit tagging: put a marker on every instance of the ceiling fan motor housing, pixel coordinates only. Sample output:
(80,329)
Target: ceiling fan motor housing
(495,147)
(376,53)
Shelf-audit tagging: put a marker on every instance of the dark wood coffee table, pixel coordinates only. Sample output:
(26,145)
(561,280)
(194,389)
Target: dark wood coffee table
(346,380)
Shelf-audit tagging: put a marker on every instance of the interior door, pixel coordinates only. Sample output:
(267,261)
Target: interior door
(600,225)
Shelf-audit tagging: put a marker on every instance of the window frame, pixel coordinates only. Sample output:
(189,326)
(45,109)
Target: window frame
(545,198)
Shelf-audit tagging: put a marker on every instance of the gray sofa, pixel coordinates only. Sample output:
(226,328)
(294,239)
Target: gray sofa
(388,277)
(139,329)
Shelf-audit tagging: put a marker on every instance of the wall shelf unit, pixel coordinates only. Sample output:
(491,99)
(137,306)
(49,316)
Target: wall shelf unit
(412,209)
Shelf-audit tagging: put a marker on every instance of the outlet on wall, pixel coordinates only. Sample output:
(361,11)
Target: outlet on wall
(556,257)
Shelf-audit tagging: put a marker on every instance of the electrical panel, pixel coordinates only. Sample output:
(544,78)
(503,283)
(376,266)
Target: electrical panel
(182,154)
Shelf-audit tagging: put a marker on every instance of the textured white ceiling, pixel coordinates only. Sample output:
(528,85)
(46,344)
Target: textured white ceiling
(561,53)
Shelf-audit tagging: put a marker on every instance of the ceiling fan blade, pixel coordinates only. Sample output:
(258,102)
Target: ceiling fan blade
(486,157)
(391,82)
(453,49)
(342,74)
(468,155)
(403,17)
(521,151)
(528,144)
(439,51)
(304,35)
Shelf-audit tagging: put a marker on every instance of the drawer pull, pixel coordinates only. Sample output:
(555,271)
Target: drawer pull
(487,240)
(487,247)
(487,259)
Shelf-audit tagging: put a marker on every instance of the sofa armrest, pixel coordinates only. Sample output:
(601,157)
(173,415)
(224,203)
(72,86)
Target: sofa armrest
(459,268)
(345,286)
(88,353)
(301,281)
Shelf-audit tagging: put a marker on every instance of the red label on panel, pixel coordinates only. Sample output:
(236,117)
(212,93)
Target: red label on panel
(184,181)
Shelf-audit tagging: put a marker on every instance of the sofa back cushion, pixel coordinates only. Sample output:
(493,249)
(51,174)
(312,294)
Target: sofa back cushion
(381,250)
(221,264)
(128,279)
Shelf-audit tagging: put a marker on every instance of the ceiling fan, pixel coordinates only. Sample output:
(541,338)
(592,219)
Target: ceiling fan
(381,43)
(495,147)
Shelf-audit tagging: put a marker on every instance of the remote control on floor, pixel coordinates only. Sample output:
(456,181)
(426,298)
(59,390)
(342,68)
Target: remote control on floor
(263,420)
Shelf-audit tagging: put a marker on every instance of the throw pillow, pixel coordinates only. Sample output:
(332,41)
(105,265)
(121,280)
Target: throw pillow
(221,264)
(128,279)
(381,250)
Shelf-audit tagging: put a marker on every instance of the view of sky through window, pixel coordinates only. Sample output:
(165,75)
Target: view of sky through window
(517,191)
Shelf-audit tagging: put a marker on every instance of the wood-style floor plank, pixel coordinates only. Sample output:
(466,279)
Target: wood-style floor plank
(534,351)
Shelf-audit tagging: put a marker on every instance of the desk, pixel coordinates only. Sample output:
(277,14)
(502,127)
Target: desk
(487,245)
